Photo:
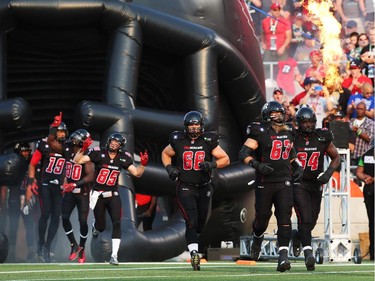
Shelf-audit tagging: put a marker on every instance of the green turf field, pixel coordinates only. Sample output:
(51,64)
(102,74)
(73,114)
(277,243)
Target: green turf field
(215,271)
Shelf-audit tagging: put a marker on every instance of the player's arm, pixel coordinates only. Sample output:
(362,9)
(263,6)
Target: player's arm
(334,155)
(79,158)
(222,158)
(136,171)
(166,157)
(167,154)
(32,186)
(89,171)
(246,152)
(335,162)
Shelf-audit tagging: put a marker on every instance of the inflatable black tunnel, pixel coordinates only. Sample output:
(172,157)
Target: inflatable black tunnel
(137,67)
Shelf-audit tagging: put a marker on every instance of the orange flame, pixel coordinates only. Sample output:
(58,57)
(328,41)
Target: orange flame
(329,36)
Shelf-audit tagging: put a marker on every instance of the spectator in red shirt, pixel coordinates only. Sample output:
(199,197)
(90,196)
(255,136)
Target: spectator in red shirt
(356,79)
(316,69)
(276,35)
(307,83)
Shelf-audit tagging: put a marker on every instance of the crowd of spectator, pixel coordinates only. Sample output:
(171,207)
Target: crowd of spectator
(289,36)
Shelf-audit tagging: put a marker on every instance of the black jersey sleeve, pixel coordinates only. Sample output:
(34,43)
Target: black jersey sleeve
(95,154)
(324,135)
(253,130)
(41,145)
(175,137)
(212,139)
(126,160)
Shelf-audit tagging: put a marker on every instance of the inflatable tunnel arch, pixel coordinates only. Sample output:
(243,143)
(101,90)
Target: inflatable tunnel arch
(136,67)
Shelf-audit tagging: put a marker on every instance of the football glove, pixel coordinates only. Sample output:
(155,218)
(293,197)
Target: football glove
(33,185)
(207,166)
(26,210)
(86,144)
(298,171)
(68,187)
(144,158)
(173,172)
(263,168)
(325,176)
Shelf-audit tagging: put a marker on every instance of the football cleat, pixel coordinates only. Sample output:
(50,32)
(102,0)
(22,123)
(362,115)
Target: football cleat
(46,255)
(283,263)
(195,261)
(81,255)
(114,260)
(39,254)
(95,232)
(256,247)
(73,252)
(296,244)
(309,260)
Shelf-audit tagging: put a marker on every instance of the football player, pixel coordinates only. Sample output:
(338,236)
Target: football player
(269,150)
(104,197)
(311,145)
(49,153)
(16,203)
(195,154)
(76,193)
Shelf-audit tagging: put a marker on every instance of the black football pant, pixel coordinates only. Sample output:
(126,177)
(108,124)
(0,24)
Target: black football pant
(14,205)
(307,202)
(279,194)
(69,202)
(113,206)
(368,194)
(50,205)
(195,205)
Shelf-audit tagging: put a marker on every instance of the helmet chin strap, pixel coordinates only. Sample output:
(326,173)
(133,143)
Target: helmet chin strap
(195,133)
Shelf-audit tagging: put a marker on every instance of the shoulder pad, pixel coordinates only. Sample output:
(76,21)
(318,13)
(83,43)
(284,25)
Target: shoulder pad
(324,135)
(128,154)
(40,144)
(176,135)
(254,128)
(211,137)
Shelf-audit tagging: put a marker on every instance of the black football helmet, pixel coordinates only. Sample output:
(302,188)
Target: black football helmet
(193,118)
(60,127)
(120,138)
(78,137)
(268,108)
(306,120)
(22,146)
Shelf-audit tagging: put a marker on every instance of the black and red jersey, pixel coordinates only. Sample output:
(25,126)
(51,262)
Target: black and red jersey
(275,149)
(74,171)
(189,153)
(107,170)
(311,150)
(53,163)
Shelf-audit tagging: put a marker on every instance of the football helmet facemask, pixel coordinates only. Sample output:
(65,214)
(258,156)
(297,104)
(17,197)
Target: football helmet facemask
(60,127)
(78,137)
(22,146)
(273,113)
(119,138)
(193,118)
(306,120)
